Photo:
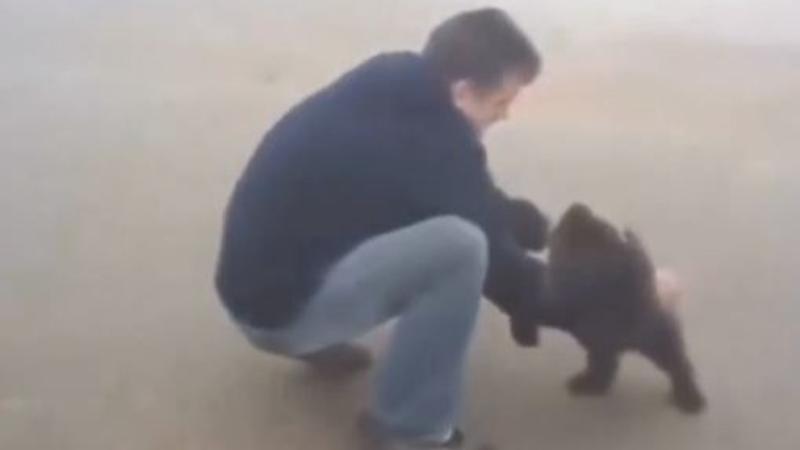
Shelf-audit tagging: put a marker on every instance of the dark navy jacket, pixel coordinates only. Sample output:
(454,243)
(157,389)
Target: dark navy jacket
(381,148)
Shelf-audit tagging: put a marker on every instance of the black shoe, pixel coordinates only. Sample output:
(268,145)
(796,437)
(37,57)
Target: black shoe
(378,439)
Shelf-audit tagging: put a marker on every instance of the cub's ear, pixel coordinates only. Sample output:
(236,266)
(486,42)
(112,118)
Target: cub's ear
(580,210)
(632,239)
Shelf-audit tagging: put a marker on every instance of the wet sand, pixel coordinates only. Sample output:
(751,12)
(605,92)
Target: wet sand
(125,127)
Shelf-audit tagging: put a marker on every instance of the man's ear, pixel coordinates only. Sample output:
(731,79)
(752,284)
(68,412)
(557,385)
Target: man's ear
(461,91)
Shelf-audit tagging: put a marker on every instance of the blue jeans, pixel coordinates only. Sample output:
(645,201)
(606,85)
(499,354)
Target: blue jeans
(428,275)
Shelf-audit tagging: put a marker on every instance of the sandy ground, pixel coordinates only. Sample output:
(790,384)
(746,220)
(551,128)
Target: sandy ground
(125,124)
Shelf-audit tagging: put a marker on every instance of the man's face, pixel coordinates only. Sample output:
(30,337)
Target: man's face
(485,106)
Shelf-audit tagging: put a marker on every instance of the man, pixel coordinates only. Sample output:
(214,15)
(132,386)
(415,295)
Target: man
(371,200)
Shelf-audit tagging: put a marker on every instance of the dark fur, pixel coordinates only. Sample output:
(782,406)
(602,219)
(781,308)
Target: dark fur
(601,287)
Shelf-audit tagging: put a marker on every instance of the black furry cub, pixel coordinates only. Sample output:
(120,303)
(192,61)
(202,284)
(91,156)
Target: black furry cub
(602,290)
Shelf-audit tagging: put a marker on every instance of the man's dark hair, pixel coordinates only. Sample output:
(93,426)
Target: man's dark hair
(481,46)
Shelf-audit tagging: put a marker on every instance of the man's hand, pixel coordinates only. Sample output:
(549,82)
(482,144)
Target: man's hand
(528,225)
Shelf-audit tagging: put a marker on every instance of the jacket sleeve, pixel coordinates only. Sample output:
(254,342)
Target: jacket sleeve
(460,184)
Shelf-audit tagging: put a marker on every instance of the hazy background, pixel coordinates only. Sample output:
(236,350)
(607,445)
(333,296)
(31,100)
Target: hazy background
(124,125)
